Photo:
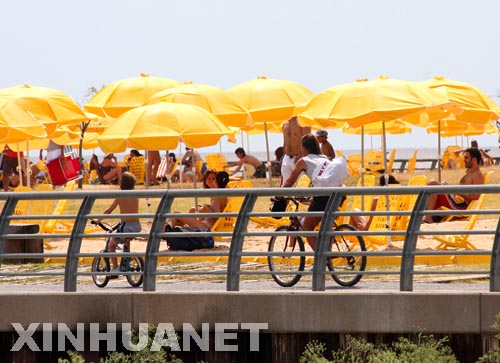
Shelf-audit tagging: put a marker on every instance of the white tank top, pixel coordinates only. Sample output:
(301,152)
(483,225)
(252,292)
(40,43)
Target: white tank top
(312,161)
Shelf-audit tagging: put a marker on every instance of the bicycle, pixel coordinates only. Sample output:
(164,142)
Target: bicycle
(339,243)
(101,265)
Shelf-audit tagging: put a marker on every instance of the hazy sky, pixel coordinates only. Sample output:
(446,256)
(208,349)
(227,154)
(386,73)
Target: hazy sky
(74,45)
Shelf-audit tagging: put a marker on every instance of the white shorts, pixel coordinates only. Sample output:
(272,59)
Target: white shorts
(287,165)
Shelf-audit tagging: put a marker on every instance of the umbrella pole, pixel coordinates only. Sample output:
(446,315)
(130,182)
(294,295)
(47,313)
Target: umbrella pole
(439,151)
(268,164)
(148,203)
(168,176)
(28,169)
(362,169)
(386,182)
(194,181)
(20,166)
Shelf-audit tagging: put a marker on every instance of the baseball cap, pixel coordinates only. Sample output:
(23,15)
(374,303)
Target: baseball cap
(321,133)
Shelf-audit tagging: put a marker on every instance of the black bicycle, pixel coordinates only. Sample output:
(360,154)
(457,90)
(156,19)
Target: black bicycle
(128,265)
(338,243)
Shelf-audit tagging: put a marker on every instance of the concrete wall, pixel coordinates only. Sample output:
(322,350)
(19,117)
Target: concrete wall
(378,312)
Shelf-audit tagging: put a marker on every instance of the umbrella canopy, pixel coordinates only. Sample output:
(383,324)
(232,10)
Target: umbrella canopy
(379,100)
(121,96)
(213,99)
(50,106)
(477,106)
(161,126)
(271,100)
(17,124)
(375,128)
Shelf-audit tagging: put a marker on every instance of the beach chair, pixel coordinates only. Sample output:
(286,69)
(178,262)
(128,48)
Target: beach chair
(472,205)
(23,206)
(137,166)
(354,164)
(452,158)
(412,163)
(390,163)
(217,162)
(42,207)
(226,223)
(462,241)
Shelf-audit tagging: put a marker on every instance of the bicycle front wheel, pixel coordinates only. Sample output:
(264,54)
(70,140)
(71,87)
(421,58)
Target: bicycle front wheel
(286,263)
(346,263)
(135,264)
(100,266)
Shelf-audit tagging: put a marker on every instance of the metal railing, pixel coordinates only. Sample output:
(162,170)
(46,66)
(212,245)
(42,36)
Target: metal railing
(237,254)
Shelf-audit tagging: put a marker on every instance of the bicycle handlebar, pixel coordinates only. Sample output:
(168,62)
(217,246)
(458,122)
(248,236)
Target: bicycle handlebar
(105,227)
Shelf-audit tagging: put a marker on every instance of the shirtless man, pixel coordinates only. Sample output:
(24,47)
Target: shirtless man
(292,134)
(473,176)
(326,147)
(260,167)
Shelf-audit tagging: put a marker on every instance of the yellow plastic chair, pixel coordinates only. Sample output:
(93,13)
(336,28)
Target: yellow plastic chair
(390,163)
(462,241)
(226,223)
(137,166)
(217,162)
(51,224)
(452,158)
(354,164)
(472,205)
(412,163)
(42,207)
(23,206)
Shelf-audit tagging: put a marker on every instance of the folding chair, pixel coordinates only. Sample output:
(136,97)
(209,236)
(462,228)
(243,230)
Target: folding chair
(461,241)
(217,162)
(412,163)
(137,166)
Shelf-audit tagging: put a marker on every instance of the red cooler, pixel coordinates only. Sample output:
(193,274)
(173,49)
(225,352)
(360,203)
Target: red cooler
(60,175)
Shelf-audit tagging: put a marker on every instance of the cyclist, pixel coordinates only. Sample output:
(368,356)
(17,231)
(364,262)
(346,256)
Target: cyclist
(127,224)
(309,164)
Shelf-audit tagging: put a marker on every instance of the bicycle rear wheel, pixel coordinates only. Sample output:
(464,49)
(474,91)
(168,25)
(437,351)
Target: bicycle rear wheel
(100,265)
(135,264)
(286,263)
(348,262)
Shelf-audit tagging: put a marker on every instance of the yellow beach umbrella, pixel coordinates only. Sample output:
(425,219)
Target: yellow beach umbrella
(161,126)
(50,106)
(17,124)
(271,101)
(213,99)
(126,94)
(380,100)
(477,106)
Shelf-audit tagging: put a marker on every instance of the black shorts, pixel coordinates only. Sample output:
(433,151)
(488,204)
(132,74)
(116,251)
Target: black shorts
(319,203)
(260,172)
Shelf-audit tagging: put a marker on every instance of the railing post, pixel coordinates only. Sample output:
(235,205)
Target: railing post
(410,245)
(8,209)
(153,246)
(495,262)
(234,261)
(75,243)
(323,242)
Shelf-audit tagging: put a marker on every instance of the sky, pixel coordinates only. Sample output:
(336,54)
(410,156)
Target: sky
(75,45)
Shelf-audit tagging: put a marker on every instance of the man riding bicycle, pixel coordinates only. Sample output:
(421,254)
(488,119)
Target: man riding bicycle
(311,164)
